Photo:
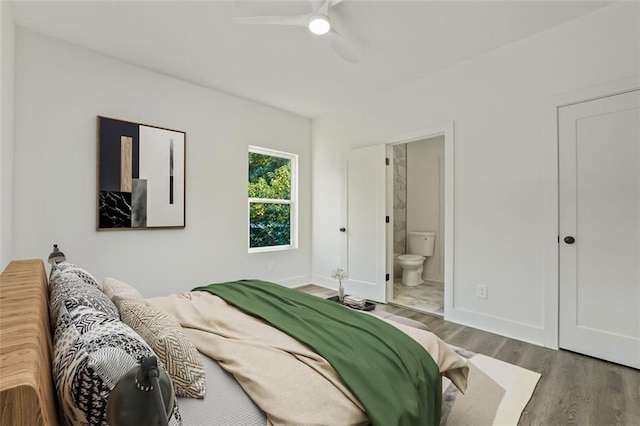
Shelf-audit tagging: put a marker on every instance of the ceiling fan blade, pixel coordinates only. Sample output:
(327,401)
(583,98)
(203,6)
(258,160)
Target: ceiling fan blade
(343,47)
(299,20)
(324,8)
(324,5)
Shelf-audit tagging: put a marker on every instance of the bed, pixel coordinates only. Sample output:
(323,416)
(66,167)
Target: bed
(29,395)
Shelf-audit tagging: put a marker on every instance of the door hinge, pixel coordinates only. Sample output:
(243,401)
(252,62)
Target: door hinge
(386,219)
(386,277)
(558,238)
(386,161)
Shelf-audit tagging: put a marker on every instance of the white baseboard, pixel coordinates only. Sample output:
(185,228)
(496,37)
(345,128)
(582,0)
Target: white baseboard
(325,282)
(515,330)
(295,281)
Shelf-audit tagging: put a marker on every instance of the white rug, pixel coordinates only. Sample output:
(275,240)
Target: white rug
(496,394)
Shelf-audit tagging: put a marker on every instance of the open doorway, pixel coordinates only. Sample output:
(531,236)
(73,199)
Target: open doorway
(418,224)
(367,246)
(420,203)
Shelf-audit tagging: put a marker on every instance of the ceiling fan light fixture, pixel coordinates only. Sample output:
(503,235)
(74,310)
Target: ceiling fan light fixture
(319,24)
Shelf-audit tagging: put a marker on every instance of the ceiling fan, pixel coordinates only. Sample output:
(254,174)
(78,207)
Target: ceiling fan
(318,22)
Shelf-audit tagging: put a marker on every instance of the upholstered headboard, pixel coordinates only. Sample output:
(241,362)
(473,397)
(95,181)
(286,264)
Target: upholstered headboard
(27,395)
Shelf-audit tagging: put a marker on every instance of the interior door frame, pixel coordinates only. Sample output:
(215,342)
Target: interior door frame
(551,195)
(447,130)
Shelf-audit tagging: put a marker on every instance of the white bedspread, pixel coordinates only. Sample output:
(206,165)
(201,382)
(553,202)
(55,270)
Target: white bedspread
(287,380)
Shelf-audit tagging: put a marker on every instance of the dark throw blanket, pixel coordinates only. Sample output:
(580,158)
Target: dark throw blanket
(395,378)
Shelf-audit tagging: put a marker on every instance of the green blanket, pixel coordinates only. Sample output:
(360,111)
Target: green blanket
(395,378)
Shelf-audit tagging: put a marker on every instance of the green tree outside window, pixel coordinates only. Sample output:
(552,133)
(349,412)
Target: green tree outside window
(269,192)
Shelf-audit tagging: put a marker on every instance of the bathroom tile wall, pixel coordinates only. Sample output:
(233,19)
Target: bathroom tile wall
(400,198)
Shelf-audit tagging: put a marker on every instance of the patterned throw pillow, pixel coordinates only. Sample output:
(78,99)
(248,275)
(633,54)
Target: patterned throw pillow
(69,267)
(75,284)
(112,287)
(90,355)
(163,333)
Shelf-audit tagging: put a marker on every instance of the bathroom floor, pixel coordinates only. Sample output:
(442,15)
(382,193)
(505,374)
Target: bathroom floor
(427,297)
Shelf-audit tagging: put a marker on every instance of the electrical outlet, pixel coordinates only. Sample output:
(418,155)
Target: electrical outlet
(482,291)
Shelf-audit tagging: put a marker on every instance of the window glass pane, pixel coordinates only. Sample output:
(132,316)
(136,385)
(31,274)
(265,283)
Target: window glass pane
(269,177)
(269,225)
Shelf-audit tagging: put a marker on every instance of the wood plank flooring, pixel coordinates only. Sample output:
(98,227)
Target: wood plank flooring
(574,389)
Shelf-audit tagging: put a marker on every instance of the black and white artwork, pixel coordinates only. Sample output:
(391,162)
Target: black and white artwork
(141,172)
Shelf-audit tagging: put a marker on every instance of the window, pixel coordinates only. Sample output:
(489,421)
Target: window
(272,195)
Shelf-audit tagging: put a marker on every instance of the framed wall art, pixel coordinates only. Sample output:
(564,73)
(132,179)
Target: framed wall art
(141,176)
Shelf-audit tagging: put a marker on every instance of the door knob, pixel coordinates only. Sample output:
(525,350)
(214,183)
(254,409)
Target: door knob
(569,240)
(343,229)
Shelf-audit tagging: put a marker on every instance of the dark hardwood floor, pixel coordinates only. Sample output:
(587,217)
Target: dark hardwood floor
(574,389)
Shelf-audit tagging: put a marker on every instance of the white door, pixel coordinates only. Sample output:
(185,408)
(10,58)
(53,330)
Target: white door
(599,148)
(364,222)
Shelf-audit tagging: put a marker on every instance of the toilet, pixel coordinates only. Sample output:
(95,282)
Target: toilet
(420,247)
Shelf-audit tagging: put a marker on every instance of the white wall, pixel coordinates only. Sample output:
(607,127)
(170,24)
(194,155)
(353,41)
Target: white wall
(497,102)
(7,30)
(425,198)
(60,88)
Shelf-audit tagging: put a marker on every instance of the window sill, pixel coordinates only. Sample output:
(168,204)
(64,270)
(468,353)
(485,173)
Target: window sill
(271,248)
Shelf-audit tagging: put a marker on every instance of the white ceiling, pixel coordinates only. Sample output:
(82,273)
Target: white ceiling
(288,67)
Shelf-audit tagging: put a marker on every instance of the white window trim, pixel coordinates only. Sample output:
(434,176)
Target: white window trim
(292,202)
